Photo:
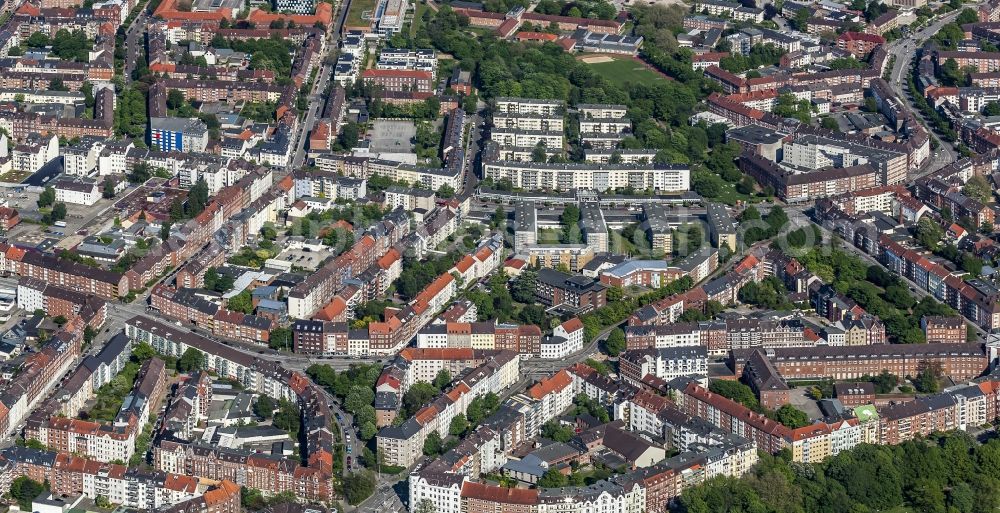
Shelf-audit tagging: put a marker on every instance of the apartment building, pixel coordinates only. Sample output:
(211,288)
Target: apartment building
(74,475)
(859,44)
(35,294)
(402,445)
(177,134)
(567,176)
(573,293)
(66,273)
(959,361)
(400,79)
(982,62)
(666,363)
(529,106)
(944,329)
(771,389)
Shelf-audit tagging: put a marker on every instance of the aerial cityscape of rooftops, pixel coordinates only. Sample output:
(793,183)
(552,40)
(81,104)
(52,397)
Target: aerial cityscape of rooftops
(499,256)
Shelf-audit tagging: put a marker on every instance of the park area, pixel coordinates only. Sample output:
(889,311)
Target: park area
(622,70)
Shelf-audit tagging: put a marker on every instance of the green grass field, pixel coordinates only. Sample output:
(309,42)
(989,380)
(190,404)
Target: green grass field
(357,9)
(418,18)
(621,71)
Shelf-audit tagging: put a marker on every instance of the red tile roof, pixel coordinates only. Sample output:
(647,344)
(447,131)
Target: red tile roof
(499,494)
(572,325)
(556,383)
(535,36)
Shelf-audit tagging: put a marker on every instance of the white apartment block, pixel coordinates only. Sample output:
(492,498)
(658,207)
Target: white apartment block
(566,176)
(605,125)
(78,192)
(637,156)
(597,110)
(505,121)
(526,138)
(34,153)
(529,106)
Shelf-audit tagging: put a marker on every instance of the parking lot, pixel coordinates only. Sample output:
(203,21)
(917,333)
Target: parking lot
(392,136)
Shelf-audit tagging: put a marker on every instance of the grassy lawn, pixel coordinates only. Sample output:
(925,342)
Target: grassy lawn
(729,195)
(14,176)
(418,14)
(358,7)
(622,71)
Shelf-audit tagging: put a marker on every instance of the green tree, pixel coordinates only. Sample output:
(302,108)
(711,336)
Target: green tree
(928,380)
(524,286)
(165,230)
(442,379)
(263,407)
(130,113)
(978,189)
(616,342)
(736,391)
(830,124)
(791,416)
(552,478)
(191,360)
(538,154)
(555,431)
(288,416)
(425,506)
(23,490)
(242,302)
(108,191)
(967,16)
(416,397)
(499,218)
(58,212)
(280,338)
(929,233)
(47,197)
(89,334)
(142,352)
(432,444)
(252,498)
(445,191)
(358,486)
(38,39)
(459,425)
(972,264)
(197,198)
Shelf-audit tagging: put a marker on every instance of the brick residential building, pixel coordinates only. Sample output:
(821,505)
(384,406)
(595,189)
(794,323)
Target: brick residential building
(920,417)
(961,362)
(982,62)
(576,293)
(400,79)
(944,329)
(859,44)
(764,380)
(854,394)
(66,273)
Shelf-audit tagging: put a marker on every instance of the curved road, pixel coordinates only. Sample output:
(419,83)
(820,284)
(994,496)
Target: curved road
(905,50)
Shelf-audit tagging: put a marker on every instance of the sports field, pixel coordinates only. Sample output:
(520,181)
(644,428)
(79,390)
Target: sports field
(622,70)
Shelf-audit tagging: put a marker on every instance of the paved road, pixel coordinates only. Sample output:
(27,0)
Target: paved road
(312,113)
(316,98)
(905,50)
(470,181)
(134,42)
